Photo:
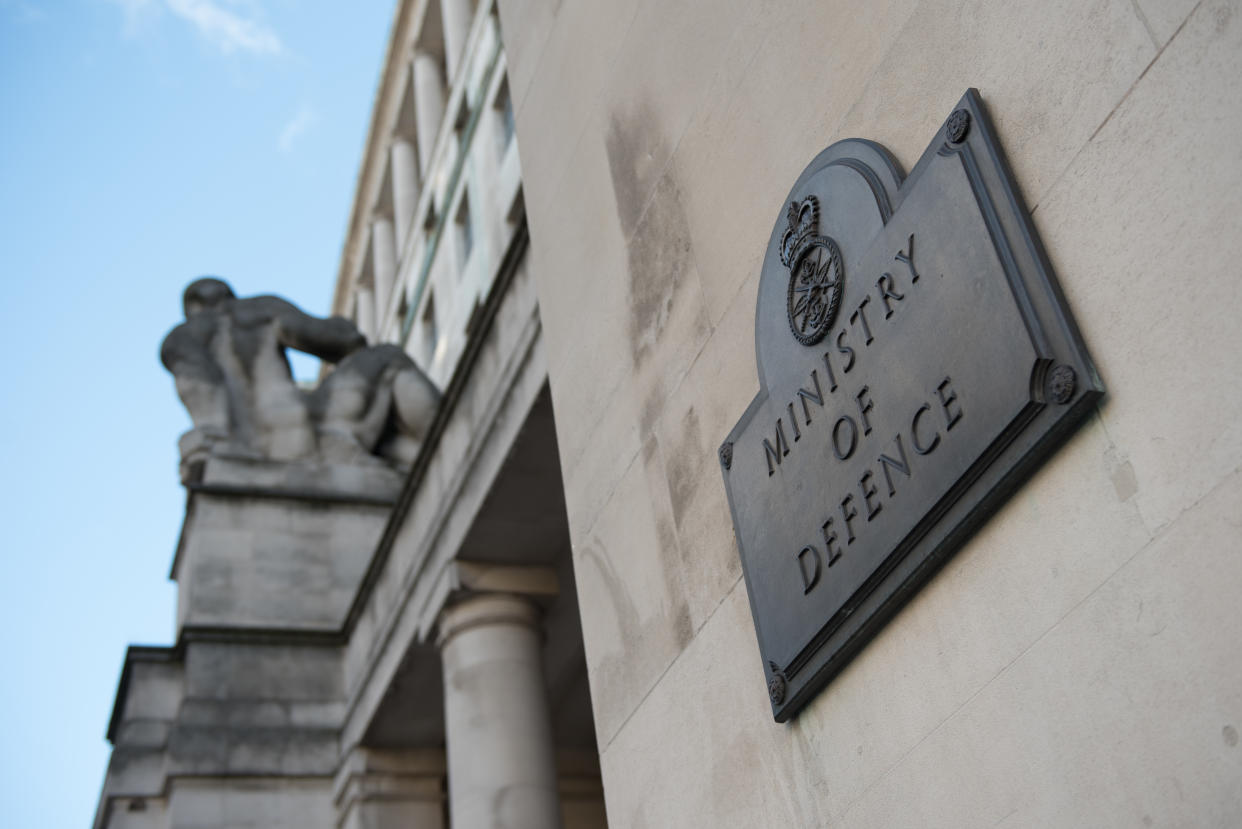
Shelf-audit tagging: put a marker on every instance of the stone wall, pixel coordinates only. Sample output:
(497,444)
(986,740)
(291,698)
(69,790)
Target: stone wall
(1075,663)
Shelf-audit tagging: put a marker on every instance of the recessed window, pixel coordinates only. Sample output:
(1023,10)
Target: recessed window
(430,330)
(504,112)
(459,125)
(364,309)
(465,231)
(517,208)
(403,311)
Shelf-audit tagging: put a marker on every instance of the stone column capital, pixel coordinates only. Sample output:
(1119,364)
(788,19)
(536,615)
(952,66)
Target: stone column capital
(487,609)
(420,51)
(404,135)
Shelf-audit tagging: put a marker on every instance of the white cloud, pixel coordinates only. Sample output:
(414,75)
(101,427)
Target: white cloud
(230,31)
(137,13)
(297,125)
(227,30)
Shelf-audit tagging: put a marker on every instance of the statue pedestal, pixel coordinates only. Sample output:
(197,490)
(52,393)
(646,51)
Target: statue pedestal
(278,545)
(249,702)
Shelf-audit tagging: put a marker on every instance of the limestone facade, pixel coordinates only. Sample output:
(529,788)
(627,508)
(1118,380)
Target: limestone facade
(1074,664)
(545,616)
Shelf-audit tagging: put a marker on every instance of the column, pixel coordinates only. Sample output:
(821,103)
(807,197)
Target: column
(501,757)
(384,262)
(428,104)
(365,316)
(457,15)
(404,186)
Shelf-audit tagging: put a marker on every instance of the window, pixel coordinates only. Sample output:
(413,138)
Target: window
(459,125)
(430,331)
(364,308)
(504,112)
(403,311)
(465,231)
(517,208)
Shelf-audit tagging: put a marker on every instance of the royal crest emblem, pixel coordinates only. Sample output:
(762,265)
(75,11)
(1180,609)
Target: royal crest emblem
(815,273)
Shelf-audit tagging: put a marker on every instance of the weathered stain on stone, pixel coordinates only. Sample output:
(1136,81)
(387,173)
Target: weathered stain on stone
(622,674)
(623,607)
(652,219)
(679,622)
(649,416)
(633,144)
(612,672)
(682,465)
(669,548)
(659,260)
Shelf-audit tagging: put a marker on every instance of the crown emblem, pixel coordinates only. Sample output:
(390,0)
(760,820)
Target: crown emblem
(802,220)
(815,272)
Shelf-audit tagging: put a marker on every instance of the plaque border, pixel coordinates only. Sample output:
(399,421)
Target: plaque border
(1055,411)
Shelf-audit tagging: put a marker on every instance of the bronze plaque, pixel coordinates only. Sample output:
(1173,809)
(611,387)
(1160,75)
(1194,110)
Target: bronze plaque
(916,361)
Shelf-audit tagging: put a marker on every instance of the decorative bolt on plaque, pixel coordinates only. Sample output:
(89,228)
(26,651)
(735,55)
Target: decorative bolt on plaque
(776,685)
(908,403)
(957,126)
(1061,381)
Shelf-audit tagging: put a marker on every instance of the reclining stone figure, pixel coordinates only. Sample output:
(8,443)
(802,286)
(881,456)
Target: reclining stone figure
(229,365)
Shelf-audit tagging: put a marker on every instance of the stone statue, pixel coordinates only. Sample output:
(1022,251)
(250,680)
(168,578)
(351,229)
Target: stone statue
(229,365)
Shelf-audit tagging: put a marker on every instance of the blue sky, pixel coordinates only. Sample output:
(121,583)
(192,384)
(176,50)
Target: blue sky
(142,143)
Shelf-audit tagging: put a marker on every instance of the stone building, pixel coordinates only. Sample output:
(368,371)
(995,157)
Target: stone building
(569,216)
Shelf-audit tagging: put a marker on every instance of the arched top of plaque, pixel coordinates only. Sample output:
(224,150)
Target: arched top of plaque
(841,201)
(916,361)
